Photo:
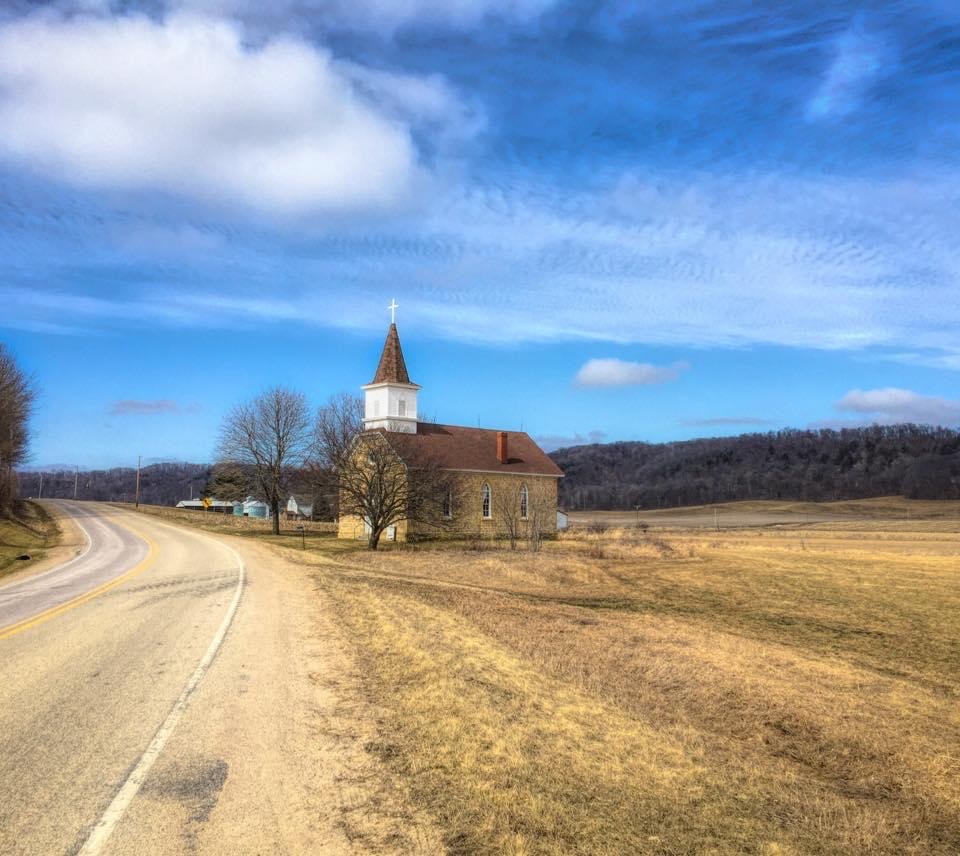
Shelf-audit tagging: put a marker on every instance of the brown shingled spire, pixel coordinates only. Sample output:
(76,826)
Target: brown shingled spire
(392,368)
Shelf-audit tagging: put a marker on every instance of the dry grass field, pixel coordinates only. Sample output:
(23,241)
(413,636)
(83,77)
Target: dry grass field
(32,531)
(786,687)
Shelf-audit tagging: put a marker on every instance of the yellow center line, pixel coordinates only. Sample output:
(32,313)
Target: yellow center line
(152,552)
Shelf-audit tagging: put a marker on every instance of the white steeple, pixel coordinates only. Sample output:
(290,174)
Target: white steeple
(390,400)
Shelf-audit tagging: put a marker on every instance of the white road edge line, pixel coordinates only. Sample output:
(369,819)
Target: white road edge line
(104,828)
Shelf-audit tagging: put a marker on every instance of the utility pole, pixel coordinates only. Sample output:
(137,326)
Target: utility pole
(137,497)
(40,494)
(76,478)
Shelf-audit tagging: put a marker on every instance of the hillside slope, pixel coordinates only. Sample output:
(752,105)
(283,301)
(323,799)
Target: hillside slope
(917,461)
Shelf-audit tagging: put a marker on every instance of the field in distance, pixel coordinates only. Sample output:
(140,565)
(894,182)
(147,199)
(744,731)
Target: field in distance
(786,687)
(891,510)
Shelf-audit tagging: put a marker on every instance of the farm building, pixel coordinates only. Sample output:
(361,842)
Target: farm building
(252,507)
(299,507)
(217,506)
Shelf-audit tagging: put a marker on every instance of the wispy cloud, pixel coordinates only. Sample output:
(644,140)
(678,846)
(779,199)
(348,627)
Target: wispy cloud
(384,17)
(614,372)
(722,421)
(707,261)
(551,442)
(947,359)
(139,407)
(892,405)
(860,58)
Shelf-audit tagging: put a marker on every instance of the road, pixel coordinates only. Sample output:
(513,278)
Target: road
(172,692)
(110,551)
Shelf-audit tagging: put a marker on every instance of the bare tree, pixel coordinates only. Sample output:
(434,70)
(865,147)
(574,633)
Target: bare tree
(383,479)
(510,514)
(267,436)
(338,424)
(541,519)
(525,514)
(17,395)
(386,481)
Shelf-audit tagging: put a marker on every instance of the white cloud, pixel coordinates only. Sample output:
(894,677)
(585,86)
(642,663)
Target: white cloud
(186,106)
(891,405)
(613,372)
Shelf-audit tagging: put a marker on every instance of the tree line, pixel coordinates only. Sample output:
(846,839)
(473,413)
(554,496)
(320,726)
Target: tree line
(160,484)
(17,396)
(916,461)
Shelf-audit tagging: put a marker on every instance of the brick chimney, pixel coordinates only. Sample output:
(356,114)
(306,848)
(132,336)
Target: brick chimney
(502,454)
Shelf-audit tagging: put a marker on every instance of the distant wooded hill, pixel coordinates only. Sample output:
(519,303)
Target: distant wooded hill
(160,484)
(916,461)
(855,463)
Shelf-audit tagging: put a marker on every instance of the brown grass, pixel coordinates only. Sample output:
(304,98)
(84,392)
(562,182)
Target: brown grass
(785,689)
(31,531)
(255,527)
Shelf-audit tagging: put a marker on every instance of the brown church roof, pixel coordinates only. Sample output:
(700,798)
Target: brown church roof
(392,368)
(454,447)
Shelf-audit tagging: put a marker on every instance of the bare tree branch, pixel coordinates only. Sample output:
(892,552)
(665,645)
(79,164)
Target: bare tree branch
(338,423)
(267,436)
(512,522)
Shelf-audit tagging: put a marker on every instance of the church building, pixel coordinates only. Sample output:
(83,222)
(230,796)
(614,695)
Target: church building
(503,480)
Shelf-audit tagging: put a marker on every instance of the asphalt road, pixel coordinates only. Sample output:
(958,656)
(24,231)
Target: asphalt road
(94,657)
(110,551)
(173,692)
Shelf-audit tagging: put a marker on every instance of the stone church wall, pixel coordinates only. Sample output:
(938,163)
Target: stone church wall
(467,520)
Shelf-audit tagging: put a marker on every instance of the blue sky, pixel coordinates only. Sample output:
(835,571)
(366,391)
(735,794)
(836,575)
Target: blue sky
(601,220)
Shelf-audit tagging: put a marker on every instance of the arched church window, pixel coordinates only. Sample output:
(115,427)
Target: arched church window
(403,407)
(524,501)
(487,502)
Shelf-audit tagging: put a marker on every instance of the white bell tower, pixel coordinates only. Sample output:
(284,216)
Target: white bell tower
(390,400)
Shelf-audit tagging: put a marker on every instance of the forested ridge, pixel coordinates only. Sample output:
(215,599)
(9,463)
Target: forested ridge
(160,484)
(854,463)
(917,461)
